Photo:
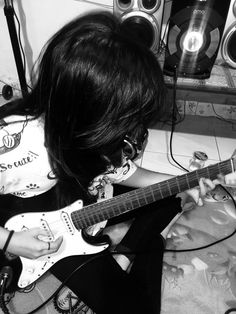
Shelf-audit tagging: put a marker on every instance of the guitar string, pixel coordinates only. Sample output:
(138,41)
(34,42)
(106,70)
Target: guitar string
(118,205)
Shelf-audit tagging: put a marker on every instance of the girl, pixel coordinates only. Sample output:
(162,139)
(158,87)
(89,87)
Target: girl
(97,90)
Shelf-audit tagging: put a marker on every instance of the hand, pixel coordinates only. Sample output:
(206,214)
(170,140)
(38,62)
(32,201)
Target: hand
(229,180)
(27,243)
(205,186)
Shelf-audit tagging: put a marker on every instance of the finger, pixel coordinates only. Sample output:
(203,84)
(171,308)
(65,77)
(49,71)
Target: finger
(37,231)
(234,153)
(230,179)
(206,185)
(210,185)
(51,246)
(220,179)
(200,202)
(54,246)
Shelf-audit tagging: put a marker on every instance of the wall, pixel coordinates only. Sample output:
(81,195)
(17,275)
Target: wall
(39,19)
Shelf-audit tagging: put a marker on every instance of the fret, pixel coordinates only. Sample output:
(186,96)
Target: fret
(165,192)
(95,217)
(92,221)
(232,160)
(174,186)
(153,195)
(157,193)
(129,205)
(115,208)
(197,176)
(142,202)
(219,169)
(149,197)
(168,185)
(201,172)
(79,221)
(186,177)
(87,221)
(136,193)
(160,190)
(136,203)
(111,211)
(101,216)
(177,183)
(121,208)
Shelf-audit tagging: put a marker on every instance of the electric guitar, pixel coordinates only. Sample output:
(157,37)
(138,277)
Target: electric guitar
(72,220)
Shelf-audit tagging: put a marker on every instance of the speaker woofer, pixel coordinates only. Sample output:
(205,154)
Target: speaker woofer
(144,26)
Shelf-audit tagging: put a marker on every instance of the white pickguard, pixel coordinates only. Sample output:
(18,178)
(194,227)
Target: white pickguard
(57,223)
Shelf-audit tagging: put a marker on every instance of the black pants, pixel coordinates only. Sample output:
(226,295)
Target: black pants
(105,287)
(101,283)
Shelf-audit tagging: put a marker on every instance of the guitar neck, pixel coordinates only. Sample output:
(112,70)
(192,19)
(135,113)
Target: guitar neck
(126,202)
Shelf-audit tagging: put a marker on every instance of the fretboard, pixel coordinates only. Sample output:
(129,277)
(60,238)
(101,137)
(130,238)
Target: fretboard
(97,212)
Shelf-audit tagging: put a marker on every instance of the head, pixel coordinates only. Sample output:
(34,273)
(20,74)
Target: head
(95,85)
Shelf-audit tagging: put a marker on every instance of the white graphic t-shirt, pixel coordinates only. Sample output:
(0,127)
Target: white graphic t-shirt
(25,170)
(24,166)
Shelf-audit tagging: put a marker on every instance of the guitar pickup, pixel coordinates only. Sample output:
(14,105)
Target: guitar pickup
(46,227)
(67,222)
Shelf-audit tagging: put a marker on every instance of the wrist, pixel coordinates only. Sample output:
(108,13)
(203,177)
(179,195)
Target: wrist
(3,237)
(7,241)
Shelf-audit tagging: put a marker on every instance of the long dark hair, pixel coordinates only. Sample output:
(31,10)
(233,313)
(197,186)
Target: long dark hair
(95,83)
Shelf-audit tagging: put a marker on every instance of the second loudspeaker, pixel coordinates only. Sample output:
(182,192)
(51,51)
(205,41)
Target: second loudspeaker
(144,17)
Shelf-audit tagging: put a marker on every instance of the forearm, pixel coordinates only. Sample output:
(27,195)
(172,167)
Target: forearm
(143,177)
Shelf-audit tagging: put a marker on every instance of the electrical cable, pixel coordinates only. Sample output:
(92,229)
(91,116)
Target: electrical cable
(220,117)
(174,110)
(230,310)
(162,46)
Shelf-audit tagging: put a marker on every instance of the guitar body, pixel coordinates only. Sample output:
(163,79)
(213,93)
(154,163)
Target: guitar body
(57,223)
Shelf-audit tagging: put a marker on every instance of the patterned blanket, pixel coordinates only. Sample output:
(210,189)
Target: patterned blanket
(202,281)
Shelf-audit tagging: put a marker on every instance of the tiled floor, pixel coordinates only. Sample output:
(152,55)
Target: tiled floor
(217,138)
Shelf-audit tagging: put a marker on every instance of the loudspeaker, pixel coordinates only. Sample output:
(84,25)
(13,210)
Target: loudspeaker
(227,51)
(144,16)
(194,34)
